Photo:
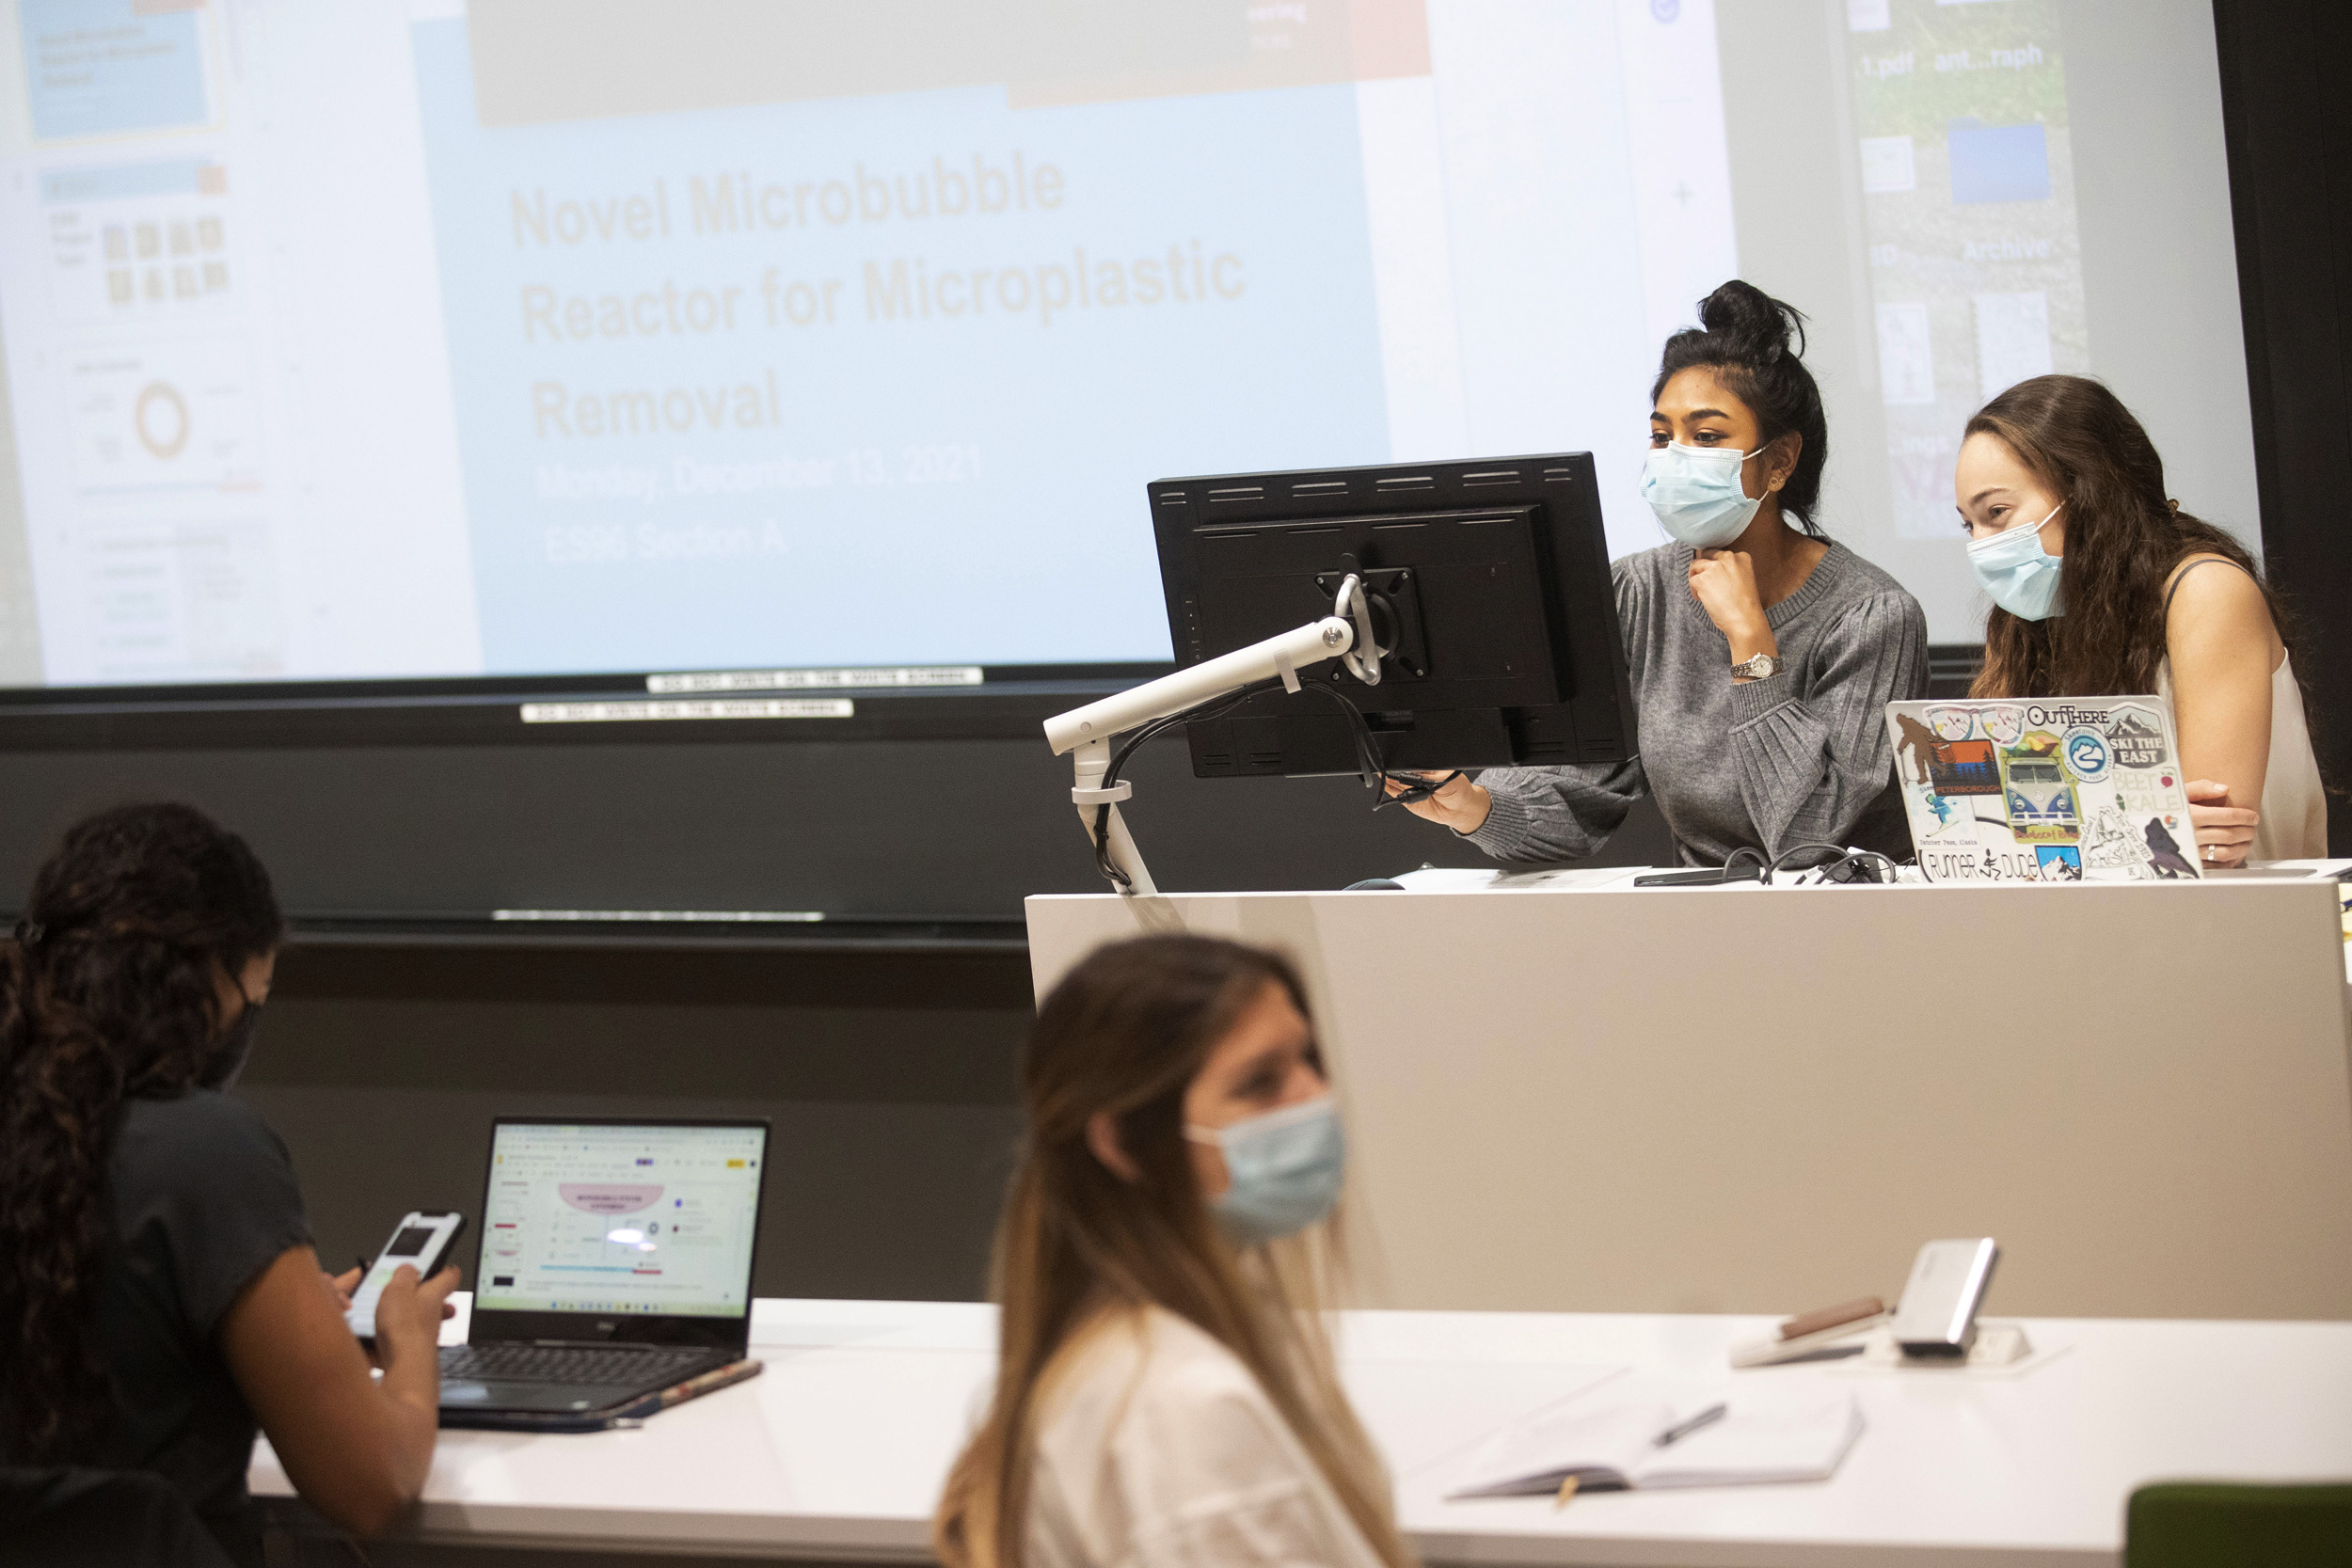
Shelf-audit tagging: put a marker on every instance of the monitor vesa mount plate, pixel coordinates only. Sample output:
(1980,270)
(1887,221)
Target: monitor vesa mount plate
(1393,596)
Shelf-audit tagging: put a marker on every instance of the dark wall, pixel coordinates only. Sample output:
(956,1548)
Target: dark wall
(887,1070)
(939,828)
(2286,94)
(888,1078)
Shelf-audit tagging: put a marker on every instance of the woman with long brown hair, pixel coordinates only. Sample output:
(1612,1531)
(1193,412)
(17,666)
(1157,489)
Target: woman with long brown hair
(159,1298)
(2103,586)
(1165,1390)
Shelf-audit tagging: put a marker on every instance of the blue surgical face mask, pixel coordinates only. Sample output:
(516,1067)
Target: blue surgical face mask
(2022,576)
(1696,493)
(1283,1169)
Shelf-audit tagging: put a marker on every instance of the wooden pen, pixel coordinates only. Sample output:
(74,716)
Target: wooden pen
(692,1389)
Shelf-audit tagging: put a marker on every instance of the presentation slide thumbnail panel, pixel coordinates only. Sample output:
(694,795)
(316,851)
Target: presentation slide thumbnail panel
(114,68)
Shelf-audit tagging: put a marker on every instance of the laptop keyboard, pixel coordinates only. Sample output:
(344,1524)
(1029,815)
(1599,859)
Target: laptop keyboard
(652,1367)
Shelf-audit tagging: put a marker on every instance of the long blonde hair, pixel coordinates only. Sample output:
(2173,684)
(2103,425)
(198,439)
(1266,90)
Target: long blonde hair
(1125,1033)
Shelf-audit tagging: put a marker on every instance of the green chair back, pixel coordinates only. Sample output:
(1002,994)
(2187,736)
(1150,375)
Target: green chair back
(2210,1525)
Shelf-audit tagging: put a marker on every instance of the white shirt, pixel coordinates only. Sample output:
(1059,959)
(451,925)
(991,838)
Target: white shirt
(1156,1448)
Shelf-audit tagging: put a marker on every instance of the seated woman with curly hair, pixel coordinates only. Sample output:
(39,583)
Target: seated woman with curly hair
(158,1295)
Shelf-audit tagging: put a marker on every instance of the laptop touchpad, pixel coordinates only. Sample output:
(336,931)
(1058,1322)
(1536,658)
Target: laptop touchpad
(561,1397)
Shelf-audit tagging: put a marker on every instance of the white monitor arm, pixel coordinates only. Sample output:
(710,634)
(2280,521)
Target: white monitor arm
(1345,633)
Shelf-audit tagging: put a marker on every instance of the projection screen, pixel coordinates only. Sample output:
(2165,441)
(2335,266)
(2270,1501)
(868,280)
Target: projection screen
(538,337)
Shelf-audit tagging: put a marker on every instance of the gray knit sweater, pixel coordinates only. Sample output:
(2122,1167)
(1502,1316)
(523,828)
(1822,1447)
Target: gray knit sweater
(1799,758)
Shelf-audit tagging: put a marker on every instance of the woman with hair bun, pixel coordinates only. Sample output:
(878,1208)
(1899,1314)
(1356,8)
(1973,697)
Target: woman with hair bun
(2099,589)
(1762,653)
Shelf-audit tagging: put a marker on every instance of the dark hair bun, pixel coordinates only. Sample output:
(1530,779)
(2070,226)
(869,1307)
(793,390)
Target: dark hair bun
(1756,345)
(1750,320)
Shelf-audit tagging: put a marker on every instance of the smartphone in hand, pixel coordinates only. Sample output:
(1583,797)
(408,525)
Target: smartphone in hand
(423,1240)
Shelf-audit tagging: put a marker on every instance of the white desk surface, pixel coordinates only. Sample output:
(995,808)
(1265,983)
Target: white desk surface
(1619,878)
(838,1448)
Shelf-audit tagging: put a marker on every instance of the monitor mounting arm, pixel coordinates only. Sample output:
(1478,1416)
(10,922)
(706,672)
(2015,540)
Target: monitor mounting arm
(1345,633)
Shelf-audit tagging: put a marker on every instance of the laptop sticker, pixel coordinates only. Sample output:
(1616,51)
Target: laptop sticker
(2085,789)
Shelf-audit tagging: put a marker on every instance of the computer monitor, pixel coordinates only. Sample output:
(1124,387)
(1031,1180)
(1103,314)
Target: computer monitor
(1489,587)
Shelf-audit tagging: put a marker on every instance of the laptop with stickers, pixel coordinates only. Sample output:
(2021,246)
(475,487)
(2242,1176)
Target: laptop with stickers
(2069,789)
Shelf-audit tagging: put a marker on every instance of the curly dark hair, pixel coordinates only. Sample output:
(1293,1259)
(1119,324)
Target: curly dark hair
(1756,344)
(108,993)
(2123,538)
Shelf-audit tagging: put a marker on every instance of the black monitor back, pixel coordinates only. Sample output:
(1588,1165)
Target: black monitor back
(1492,579)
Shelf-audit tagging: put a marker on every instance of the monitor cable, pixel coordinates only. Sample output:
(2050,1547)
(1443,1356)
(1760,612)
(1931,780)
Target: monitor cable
(1102,862)
(1850,865)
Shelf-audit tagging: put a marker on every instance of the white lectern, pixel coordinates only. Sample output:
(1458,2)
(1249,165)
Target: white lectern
(1570,1094)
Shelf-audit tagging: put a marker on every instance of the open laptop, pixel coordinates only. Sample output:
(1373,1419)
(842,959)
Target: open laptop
(616,1261)
(2057,789)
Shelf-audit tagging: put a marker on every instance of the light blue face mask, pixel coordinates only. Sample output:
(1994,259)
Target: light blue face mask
(1284,1170)
(2022,576)
(1695,492)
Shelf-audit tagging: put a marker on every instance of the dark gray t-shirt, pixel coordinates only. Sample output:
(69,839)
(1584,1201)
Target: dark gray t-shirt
(204,1199)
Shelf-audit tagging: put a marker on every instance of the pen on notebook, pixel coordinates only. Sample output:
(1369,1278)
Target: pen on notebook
(1680,1430)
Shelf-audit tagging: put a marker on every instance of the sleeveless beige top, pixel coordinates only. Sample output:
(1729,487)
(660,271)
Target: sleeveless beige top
(2294,806)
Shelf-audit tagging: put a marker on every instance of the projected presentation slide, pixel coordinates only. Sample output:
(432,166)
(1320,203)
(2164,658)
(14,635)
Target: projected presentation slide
(383,339)
(651,1220)
(412,337)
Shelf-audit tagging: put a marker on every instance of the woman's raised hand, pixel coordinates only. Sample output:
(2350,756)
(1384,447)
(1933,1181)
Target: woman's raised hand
(1724,582)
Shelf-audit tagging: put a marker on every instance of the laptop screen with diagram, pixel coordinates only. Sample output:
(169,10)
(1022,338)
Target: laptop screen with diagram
(615,1219)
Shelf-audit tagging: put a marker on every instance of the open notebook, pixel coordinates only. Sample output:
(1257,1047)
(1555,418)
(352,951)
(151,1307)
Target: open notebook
(1607,1440)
